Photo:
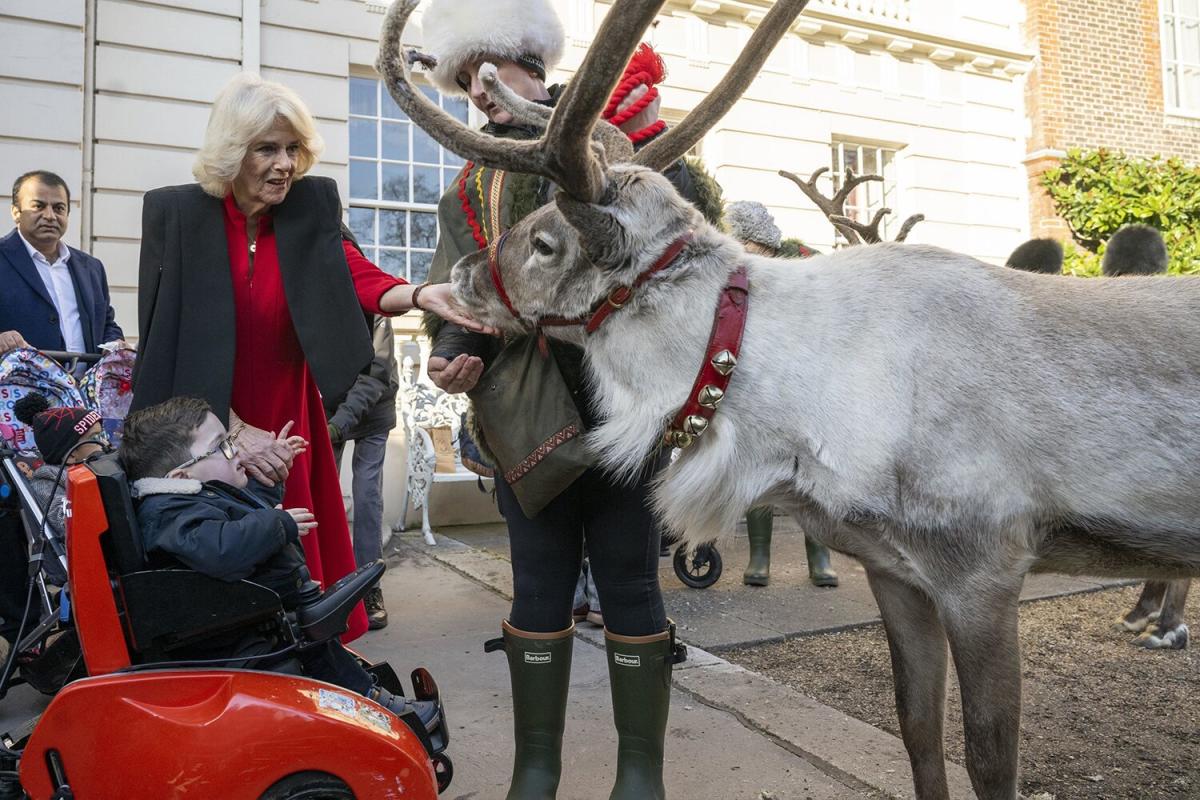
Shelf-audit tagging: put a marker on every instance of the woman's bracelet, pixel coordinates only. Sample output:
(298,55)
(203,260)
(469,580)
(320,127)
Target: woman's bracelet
(417,293)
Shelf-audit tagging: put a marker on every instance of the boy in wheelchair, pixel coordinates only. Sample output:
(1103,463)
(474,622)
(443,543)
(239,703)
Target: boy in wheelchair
(196,507)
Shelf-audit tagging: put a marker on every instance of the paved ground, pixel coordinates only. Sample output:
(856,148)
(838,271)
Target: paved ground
(733,734)
(729,614)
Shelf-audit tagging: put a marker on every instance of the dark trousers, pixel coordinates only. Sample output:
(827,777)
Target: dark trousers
(334,664)
(622,543)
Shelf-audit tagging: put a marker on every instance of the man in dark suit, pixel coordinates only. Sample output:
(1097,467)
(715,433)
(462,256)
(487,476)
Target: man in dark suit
(55,297)
(52,297)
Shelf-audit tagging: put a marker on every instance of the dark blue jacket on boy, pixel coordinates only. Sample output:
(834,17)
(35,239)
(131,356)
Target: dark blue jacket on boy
(225,533)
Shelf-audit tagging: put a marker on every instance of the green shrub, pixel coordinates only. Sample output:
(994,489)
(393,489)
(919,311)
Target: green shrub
(1098,191)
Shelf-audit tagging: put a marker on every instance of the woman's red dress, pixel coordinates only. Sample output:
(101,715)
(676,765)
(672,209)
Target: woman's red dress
(272,385)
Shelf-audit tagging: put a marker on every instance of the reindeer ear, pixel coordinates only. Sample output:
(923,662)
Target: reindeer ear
(603,239)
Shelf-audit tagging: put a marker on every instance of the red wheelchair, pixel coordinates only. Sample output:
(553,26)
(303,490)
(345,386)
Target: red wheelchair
(148,723)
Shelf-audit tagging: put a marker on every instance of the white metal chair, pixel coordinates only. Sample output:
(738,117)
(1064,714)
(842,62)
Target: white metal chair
(423,406)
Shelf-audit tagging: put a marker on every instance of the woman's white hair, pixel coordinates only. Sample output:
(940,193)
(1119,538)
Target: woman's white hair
(246,109)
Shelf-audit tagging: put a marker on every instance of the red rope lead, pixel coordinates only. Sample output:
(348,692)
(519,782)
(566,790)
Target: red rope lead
(465,198)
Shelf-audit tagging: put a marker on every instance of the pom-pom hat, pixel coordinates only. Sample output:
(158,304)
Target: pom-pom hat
(55,430)
(457,32)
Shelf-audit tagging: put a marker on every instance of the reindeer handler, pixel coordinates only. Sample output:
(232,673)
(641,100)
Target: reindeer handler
(530,406)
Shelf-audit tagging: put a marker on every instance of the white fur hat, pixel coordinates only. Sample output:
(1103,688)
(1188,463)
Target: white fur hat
(750,221)
(459,31)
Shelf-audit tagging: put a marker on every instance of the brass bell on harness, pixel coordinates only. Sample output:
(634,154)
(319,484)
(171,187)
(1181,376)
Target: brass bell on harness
(710,396)
(681,439)
(695,425)
(724,362)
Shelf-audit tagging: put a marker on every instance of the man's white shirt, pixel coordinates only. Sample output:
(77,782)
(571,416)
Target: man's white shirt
(57,279)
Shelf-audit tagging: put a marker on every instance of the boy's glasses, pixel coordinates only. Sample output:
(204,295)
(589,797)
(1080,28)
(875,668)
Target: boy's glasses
(225,446)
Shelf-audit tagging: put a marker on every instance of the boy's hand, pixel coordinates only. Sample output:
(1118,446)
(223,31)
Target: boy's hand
(266,459)
(305,519)
(295,444)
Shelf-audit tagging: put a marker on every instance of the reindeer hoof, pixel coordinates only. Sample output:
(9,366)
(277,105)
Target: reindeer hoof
(1134,624)
(1164,639)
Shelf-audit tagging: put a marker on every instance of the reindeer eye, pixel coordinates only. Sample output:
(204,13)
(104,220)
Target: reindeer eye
(542,246)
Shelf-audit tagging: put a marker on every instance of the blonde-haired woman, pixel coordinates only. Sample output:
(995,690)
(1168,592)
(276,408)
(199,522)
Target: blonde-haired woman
(252,295)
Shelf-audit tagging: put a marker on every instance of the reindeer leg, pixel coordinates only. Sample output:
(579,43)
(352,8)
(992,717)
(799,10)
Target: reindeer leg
(1170,632)
(1147,608)
(918,645)
(981,624)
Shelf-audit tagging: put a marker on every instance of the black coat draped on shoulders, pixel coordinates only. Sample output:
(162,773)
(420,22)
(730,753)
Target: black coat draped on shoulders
(186,317)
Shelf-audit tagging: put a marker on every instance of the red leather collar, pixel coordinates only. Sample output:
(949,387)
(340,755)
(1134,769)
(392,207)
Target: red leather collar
(621,295)
(616,298)
(497,280)
(720,359)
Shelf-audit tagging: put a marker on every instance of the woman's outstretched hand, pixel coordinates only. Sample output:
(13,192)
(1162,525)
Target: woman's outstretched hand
(437,299)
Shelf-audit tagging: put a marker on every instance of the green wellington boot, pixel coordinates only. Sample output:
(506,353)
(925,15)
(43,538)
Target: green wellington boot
(539,666)
(758,531)
(639,672)
(819,571)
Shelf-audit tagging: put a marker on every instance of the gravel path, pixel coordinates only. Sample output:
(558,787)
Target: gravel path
(1102,720)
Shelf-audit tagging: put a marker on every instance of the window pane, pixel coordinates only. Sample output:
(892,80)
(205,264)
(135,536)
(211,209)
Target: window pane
(450,177)
(431,93)
(419,266)
(395,182)
(427,187)
(456,107)
(392,262)
(362,225)
(1190,41)
(1190,8)
(363,182)
(362,96)
(451,160)
(390,109)
(424,230)
(395,141)
(425,149)
(362,138)
(1169,38)
(391,228)
(1190,89)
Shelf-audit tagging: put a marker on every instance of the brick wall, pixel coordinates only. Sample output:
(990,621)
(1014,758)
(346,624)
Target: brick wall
(1097,83)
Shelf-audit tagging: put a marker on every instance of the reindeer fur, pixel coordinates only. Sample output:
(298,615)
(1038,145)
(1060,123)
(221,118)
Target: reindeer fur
(918,409)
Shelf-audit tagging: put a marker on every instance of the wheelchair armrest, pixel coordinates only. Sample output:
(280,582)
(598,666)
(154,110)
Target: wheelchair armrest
(328,617)
(168,608)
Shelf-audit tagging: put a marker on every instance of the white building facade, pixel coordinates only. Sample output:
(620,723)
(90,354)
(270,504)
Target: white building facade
(114,96)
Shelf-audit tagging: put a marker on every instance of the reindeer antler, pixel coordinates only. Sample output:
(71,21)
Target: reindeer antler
(565,154)
(671,146)
(834,208)
(617,147)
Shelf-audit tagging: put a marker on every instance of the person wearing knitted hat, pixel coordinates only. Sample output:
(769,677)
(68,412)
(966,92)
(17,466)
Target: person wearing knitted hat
(525,40)
(64,436)
(751,223)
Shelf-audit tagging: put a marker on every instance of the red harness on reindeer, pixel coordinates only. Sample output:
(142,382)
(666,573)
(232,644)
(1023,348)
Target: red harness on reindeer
(720,357)
(646,68)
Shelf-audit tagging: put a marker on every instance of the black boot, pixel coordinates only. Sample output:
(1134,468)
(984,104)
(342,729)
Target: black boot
(539,666)
(819,571)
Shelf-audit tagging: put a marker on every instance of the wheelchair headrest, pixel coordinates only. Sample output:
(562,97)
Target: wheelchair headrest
(124,540)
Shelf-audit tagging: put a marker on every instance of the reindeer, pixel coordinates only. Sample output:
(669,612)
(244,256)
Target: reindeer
(915,408)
